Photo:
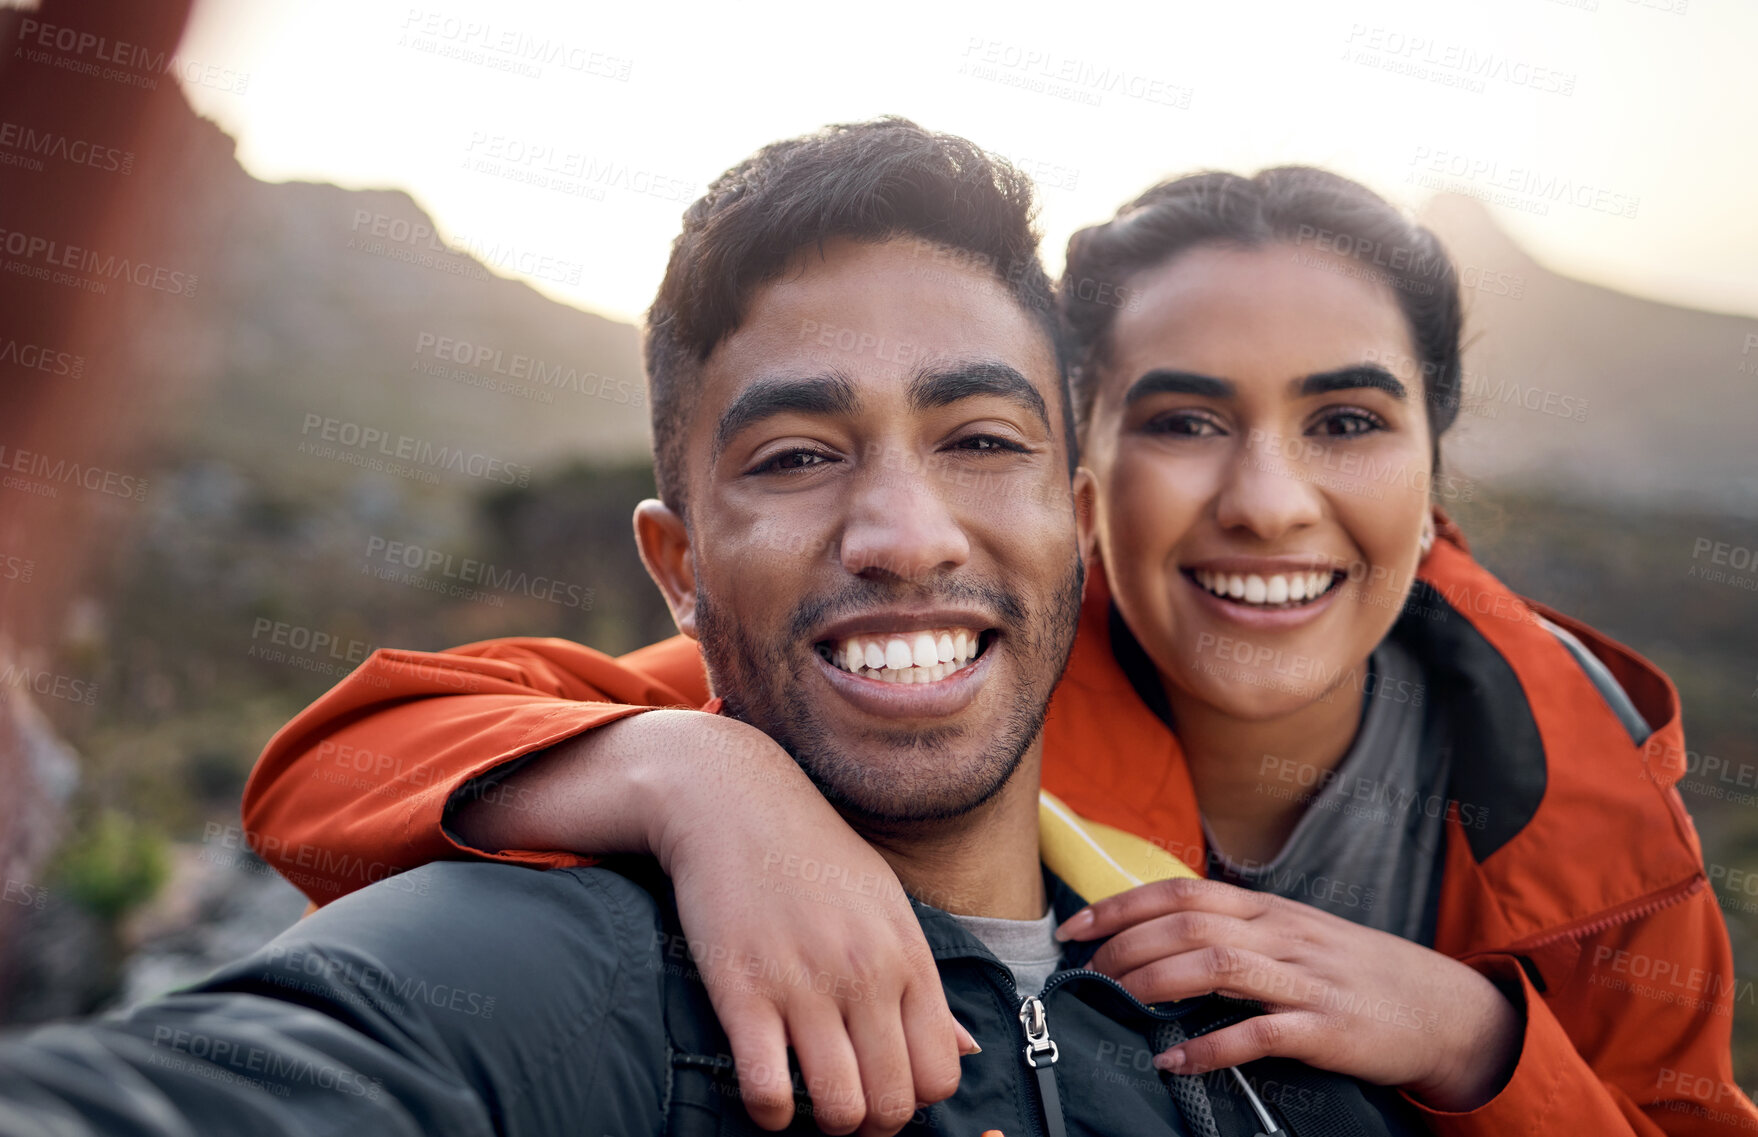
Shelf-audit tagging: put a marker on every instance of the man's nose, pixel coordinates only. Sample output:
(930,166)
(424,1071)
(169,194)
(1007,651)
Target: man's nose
(901,525)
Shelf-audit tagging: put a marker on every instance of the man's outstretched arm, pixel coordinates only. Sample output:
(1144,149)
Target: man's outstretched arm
(457,1000)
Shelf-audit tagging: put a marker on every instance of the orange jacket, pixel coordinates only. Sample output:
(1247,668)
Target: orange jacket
(1572,875)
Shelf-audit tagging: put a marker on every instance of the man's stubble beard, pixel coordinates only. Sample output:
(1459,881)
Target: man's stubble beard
(760,685)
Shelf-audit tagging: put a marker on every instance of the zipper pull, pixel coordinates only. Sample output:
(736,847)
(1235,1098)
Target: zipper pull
(1041,1055)
(1038,1047)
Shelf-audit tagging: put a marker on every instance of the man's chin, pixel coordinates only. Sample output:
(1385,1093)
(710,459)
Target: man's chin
(919,786)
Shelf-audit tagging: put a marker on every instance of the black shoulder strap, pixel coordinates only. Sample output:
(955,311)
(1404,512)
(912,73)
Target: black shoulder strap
(1317,1103)
(1304,1101)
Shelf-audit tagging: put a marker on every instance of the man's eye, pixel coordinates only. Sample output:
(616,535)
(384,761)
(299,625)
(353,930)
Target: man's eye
(989,443)
(1348,423)
(1184,424)
(791,460)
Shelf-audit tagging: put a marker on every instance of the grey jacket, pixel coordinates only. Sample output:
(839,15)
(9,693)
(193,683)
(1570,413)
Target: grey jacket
(473,999)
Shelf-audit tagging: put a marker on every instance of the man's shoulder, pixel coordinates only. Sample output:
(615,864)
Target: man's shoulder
(537,993)
(516,936)
(499,900)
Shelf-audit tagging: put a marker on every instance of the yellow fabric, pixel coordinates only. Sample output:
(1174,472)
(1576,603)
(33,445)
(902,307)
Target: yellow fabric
(1097,860)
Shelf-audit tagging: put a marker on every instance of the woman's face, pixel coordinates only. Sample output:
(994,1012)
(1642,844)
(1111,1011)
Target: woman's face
(1262,452)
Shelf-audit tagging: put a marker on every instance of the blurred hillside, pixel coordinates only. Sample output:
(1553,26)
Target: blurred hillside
(372,407)
(347,305)
(1594,395)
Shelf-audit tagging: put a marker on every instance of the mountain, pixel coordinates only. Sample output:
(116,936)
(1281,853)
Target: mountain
(337,321)
(1582,392)
(329,313)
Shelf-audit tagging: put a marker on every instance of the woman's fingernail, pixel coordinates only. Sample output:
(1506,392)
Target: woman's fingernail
(1075,925)
(1172,1060)
(967,1043)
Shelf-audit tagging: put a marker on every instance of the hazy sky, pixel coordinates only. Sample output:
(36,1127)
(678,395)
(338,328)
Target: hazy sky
(1619,136)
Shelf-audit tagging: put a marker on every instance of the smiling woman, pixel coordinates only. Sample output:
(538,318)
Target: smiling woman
(1263,473)
(1263,419)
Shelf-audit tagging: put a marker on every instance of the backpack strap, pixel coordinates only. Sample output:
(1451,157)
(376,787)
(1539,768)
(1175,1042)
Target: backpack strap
(1303,1100)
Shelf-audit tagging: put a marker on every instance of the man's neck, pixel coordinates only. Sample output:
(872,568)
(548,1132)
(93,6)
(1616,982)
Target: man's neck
(982,864)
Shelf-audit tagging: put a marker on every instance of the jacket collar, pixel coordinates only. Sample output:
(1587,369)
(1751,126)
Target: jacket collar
(949,939)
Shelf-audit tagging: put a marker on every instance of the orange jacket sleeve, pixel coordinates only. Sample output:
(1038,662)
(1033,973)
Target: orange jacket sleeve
(1636,1042)
(355,788)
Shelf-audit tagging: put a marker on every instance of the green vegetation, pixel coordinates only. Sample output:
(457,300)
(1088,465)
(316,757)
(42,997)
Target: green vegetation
(112,865)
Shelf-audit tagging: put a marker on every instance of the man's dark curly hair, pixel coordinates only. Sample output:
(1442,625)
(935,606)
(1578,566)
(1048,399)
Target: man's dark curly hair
(867,181)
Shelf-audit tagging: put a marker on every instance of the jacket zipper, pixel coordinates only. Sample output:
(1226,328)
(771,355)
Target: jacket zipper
(1634,910)
(1041,1055)
(1041,1052)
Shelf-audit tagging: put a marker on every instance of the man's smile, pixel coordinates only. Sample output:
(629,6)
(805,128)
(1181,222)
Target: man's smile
(905,656)
(916,664)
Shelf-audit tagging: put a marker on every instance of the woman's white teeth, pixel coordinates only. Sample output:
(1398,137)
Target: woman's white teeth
(912,657)
(1283,588)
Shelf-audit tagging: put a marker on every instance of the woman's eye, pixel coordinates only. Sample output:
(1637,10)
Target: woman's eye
(1184,425)
(1347,423)
(791,460)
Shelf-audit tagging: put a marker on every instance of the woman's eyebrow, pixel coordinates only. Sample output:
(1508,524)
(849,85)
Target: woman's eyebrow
(1350,379)
(1165,382)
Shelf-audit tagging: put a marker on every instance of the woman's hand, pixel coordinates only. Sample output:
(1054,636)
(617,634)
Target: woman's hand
(1337,996)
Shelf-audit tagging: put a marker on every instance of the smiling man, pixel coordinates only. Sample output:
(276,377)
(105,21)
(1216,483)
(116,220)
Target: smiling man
(882,556)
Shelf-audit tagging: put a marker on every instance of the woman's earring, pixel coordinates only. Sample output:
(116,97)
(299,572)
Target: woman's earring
(1427,541)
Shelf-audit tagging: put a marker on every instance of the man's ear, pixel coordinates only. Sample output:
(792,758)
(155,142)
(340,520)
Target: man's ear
(664,544)
(1086,501)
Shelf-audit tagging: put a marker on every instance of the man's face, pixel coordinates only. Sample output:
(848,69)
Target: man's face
(887,568)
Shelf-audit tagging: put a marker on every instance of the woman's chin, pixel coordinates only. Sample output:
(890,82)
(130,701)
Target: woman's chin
(1257,696)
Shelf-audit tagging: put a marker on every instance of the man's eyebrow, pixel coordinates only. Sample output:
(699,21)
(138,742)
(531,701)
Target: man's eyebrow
(942,386)
(1351,379)
(813,395)
(1162,381)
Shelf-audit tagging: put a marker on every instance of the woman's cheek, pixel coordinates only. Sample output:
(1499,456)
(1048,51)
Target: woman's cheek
(1386,529)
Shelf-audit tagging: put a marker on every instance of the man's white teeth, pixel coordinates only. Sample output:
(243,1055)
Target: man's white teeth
(1283,588)
(910,657)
